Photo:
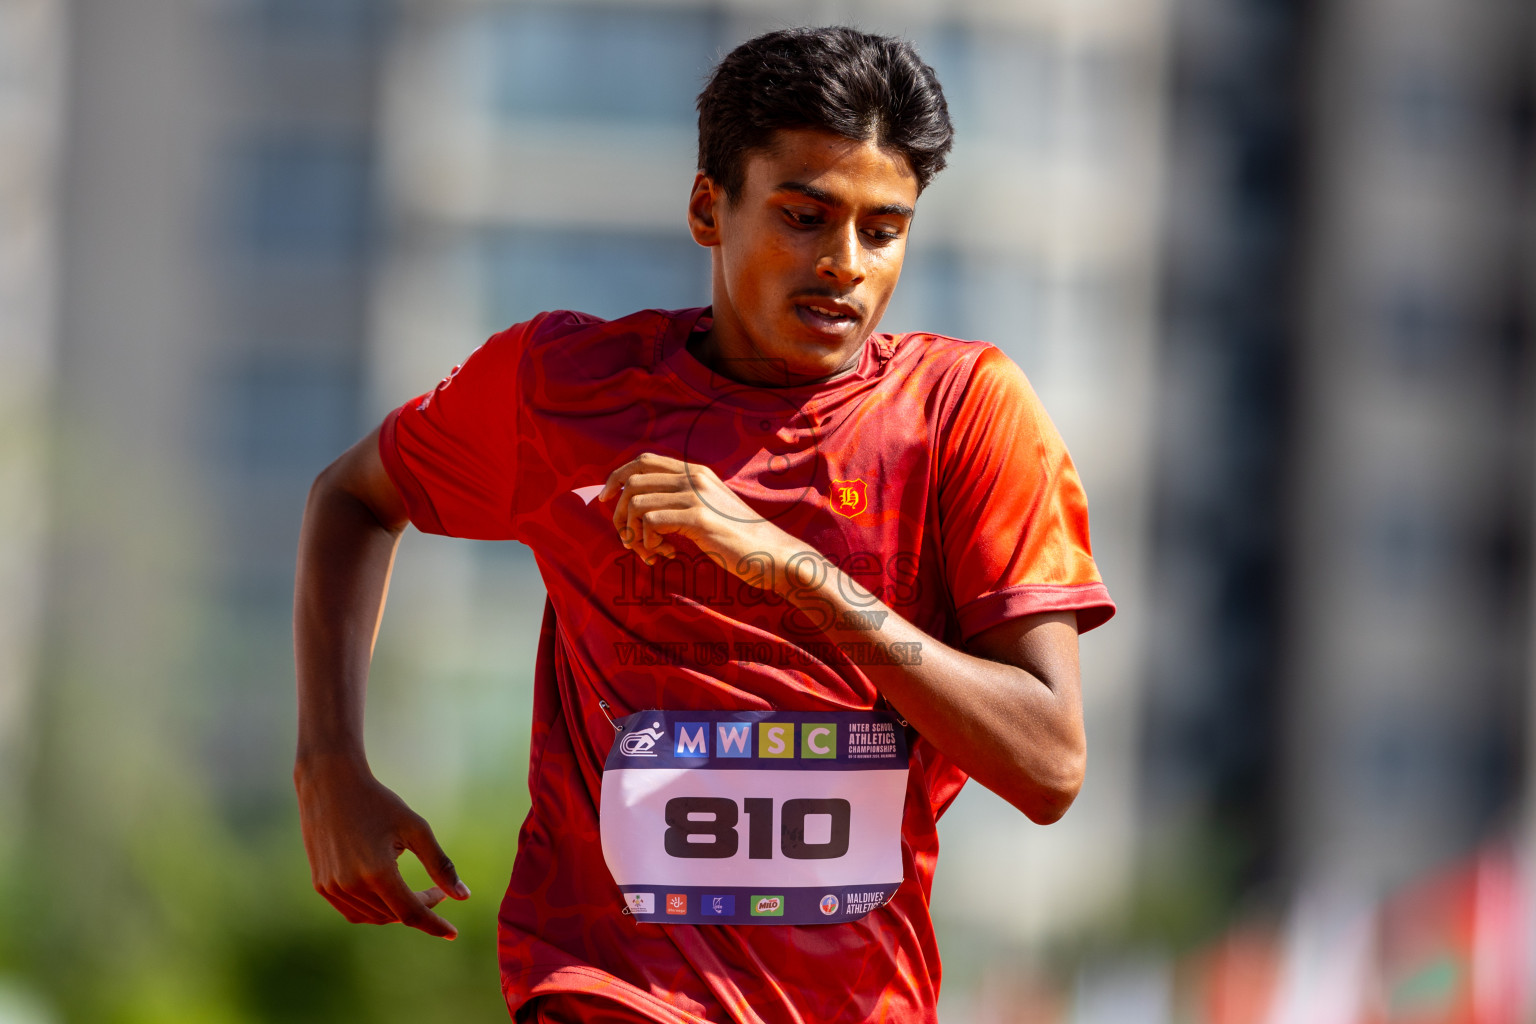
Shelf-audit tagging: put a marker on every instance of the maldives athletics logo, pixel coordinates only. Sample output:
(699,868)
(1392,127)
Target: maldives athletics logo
(848,497)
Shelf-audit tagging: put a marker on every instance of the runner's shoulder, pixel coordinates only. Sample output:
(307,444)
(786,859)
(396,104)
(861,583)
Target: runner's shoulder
(557,323)
(939,361)
(569,326)
(936,351)
(597,345)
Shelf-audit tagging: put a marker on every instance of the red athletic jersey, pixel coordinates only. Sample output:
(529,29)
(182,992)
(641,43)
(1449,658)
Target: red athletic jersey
(931,475)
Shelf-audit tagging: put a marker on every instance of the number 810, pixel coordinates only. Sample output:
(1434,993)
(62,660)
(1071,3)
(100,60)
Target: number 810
(718,838)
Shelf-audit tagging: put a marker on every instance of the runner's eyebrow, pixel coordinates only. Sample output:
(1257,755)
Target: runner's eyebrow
(821,195)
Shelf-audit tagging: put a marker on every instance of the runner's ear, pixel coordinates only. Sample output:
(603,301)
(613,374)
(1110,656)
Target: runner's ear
(702,211)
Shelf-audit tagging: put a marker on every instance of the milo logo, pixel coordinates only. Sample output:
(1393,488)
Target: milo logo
(767,906)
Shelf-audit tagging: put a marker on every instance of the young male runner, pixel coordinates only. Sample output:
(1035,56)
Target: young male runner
(817,558)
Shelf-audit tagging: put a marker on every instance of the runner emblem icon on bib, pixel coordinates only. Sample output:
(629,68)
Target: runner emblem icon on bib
(755,817)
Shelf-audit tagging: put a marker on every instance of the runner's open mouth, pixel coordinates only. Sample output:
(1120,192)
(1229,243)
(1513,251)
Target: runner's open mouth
(829,314)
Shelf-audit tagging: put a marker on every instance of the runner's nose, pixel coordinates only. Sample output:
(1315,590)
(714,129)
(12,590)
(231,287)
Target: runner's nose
(842,260)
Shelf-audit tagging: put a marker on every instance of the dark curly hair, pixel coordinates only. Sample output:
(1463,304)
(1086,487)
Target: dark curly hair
(860,86)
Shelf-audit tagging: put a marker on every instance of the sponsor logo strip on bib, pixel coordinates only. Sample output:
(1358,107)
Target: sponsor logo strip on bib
(754,817)
(691,904)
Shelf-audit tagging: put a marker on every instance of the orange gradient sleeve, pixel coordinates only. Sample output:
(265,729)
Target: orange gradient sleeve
(1013,515)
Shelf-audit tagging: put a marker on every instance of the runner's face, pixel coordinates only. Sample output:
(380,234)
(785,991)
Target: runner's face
(806,257)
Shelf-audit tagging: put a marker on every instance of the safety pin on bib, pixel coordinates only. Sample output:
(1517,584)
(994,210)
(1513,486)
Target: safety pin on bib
(604,706)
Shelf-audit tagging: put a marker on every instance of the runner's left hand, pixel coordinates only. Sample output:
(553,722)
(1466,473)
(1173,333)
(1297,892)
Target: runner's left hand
(661,498)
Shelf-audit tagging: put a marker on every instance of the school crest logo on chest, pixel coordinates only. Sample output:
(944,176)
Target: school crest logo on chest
(848,497)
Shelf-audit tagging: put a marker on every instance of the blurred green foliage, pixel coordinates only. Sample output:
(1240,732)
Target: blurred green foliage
(186,922)
(151,863)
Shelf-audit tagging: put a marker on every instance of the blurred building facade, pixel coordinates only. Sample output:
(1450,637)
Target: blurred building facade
(1344,510)
(212,316)
(199,249)
(1215,671)
(1410,538)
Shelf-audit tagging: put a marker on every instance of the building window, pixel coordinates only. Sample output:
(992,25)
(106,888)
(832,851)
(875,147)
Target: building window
(342,23)
(601,62)
(609,275)
(1412,547)
(287,416)
(303,197)
(930,296)
(1420,328)
(999,84)
(1427,108)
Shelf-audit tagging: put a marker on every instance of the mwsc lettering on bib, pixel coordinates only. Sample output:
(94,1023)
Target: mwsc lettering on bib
(754,817)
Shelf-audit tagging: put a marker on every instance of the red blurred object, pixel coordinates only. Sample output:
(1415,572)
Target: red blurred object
(1235,979)
(1451,948)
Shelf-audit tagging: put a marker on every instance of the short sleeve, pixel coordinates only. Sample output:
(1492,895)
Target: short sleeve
(452,453)
(1013,515)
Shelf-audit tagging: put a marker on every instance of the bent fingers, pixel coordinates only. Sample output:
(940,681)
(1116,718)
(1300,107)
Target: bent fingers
(409,908)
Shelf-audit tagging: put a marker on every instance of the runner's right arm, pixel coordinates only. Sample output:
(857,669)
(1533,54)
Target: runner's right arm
(354,827)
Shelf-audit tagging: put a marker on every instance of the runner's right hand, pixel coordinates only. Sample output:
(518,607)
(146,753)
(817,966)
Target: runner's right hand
(355,829)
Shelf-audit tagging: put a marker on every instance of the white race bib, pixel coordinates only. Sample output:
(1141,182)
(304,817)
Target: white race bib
(755,817)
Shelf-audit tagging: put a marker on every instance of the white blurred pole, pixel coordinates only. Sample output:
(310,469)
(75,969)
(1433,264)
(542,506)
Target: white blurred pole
(1131,992)
(1325,960)
(32,49)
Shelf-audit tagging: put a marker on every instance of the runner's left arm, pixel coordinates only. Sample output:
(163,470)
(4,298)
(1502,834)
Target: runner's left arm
(1008,711)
